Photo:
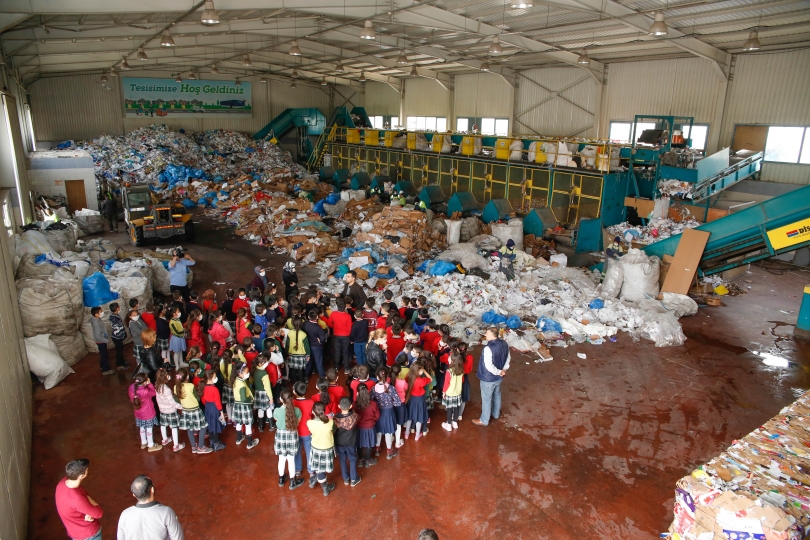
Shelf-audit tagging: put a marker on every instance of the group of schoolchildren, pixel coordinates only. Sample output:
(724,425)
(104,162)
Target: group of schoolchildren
(262,352)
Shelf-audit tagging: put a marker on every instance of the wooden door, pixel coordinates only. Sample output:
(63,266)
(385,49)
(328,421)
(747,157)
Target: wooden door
(76,196)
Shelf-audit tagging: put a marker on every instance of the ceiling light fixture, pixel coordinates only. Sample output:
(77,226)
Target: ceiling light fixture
(125,66)
(414,73)
(323,81)
(167,40)
(752,43)
(293,86)
(484,66)
(246,60)
(362,76)
(215,69)
(368,31)
(237,82)
(339,67)
(104,78)
(263,80)
(141,54)
(583,59)
(209,14)
(659,27)
(192,77)
(113,73)
(495,46)
(295,73)
(402,58)
(294,50)
(178,79)
(521,5)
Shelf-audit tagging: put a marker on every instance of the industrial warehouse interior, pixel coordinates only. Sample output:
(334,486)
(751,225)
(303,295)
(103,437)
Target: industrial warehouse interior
(405,269)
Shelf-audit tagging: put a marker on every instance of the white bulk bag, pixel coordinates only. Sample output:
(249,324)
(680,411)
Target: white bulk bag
(51,306)
(45,362)
(640,275)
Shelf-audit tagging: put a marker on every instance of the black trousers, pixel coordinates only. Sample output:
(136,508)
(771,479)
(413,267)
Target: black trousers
(341,350)
(119,352)
(184,290)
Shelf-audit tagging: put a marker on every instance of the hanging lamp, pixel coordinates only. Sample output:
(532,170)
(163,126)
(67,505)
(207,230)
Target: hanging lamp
(209,14)
(402,58)
(178,79)
(294,50)
(752,43)
(237,82)
(414,73)
(323,81)
(125,66)
(166,39)
(192,77)
(659,27)
(141,54)
(362,76)
(293,86)
(246,60)
(263,80)
(583,58)
(215,69)
(104,78)
(368,31)
(339,67)
(484,66)
(495,46)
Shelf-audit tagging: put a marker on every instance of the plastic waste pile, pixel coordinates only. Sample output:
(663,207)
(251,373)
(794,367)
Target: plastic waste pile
(655,230)
(755,489)
(551,306)
(676,188)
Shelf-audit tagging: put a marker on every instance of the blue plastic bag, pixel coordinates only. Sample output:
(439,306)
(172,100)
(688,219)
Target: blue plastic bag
(493,317)
(544,324)
(514,322)
(319,208)
(97,291)
(333,198)
(342,270)
(596,303)
(439,268)
(188,203)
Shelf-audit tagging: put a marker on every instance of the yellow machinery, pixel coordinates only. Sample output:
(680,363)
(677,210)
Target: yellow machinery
(470,145)
(353,136)
(437,142)
(372,137)
(412,141)
(148,221)
(502,148)
(388,141)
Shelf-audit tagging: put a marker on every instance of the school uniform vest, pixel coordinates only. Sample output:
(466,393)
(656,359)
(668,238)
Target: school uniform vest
(500,351)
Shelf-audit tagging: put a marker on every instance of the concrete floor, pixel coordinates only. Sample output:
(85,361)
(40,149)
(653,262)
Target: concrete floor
(585,448)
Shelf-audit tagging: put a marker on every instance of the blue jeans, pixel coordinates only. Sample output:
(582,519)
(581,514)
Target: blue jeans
(360,353)
(97,536)
(344,454)
(317,357)
(490,400)
(306,444)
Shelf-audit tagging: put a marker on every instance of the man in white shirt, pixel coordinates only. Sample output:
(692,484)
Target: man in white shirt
(148,520)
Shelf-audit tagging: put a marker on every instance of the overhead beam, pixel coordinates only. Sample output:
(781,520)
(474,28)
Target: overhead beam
(422,13)
(641,22)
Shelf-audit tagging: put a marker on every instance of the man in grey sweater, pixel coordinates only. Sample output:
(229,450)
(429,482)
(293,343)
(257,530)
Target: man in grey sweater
(148,520)
(101,338)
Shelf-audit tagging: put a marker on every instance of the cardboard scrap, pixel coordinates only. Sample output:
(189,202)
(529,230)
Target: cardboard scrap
(685,263)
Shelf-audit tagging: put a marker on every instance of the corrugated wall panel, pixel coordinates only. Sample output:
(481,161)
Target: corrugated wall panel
(683,86)
(79,107)
(483,94)
(770,88)
(425,97)
(538,113)
(381,100)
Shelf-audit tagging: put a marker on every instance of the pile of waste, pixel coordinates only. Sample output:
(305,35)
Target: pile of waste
(655,230)
(546,306)
(397,230)
(59,279)
(755,489)
(676,188)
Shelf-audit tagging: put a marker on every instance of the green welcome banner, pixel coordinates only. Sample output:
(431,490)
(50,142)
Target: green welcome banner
(165,98)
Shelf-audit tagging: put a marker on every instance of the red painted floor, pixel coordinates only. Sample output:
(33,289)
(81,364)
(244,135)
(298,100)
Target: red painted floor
(585,448)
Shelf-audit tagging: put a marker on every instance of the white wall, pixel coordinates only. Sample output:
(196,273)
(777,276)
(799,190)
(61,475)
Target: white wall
(79,107)
(483,94)
(425,97)
(46,182)
(381,100)
(15,399)
(770,88)
(539,111)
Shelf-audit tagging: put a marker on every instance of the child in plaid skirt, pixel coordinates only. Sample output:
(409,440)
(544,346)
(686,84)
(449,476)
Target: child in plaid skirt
(262,390)
(322,456)
(453,382)
(243,405)
(286,445)
(168,407)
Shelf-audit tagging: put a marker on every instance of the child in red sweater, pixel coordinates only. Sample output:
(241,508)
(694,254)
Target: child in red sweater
(368,413)
(396,342)
(213,408)
(324,396)
(341,324)
(362,379)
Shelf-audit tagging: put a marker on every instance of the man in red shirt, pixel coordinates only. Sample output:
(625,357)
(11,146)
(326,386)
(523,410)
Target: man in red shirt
(341,324)
(79,513)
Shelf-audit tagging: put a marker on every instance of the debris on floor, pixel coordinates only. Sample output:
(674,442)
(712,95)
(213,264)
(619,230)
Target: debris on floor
(755,489)
(655,230)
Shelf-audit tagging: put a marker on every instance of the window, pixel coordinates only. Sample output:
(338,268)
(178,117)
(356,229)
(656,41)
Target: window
(378,122)
(486,126)
(623,131)
(787,144)
(426,123)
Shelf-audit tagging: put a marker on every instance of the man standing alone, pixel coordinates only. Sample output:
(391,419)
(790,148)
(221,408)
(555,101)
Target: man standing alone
(491,369)
(110,211)
(79,513)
